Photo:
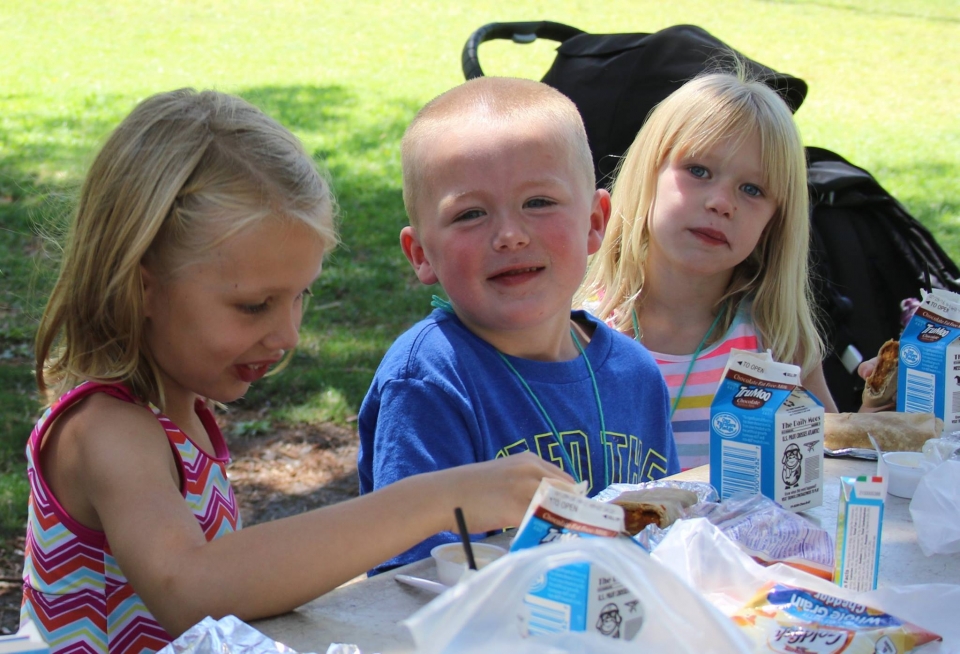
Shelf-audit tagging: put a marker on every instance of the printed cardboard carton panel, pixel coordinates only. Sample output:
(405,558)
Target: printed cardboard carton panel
(766,433)
(578,596)
(929,374)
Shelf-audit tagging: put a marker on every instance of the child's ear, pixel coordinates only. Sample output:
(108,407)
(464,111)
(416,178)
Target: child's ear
(599,216)
(413,250)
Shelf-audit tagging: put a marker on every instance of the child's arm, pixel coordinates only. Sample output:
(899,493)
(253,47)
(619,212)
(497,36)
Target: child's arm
(126,471)
(412,426)
(816,383)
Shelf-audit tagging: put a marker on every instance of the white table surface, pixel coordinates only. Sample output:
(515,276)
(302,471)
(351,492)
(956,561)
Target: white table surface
(368,613)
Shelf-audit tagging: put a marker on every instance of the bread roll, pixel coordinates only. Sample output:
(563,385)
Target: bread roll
(881,386)
(894,431)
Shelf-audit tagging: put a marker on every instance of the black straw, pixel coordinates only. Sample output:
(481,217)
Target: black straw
(928,287)
(465,538)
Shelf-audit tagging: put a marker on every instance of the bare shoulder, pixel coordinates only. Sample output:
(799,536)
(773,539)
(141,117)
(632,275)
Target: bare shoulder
(95,446)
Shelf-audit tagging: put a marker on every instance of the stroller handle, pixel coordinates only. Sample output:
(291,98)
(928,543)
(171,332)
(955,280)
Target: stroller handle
(521,32)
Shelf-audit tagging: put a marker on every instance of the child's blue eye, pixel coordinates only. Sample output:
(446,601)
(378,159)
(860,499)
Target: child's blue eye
(698,171)
(538,203)
(253,309)
(752,190)
(469,215)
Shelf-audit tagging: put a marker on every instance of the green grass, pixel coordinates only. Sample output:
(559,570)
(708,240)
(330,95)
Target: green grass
(347,77)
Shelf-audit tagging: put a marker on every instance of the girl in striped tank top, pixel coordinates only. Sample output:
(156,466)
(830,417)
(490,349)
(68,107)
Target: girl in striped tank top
(706,248)
(200,227)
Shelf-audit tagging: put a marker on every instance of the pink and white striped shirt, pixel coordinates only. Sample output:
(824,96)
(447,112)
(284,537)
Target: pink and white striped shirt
(691,420)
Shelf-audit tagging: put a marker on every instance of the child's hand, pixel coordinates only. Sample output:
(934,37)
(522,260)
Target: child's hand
(496,494)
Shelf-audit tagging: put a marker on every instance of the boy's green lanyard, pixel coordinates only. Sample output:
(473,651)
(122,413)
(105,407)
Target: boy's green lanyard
(445,305)
(693,360)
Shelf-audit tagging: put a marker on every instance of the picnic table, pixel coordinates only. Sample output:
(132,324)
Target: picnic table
(368,612)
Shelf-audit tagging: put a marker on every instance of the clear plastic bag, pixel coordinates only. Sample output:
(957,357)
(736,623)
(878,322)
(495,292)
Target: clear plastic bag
(935,509)
(702,556)
(488,612)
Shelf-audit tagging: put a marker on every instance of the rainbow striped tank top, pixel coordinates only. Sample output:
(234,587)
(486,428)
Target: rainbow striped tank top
(691,420)
(73,589)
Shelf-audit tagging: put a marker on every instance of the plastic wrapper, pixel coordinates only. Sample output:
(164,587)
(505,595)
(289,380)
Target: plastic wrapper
(762,529)
(935,509)
(702,556)
(783,618)
(771,534)
(229,635)
(705,492)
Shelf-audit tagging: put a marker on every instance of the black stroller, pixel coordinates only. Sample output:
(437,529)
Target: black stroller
(868,252)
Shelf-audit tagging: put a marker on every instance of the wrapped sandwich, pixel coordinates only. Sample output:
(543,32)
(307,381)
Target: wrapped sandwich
(894,432)
(661,506)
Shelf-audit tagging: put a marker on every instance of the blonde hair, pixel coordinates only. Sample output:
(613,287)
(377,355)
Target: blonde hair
(492,101)
(182,173)
(703,112)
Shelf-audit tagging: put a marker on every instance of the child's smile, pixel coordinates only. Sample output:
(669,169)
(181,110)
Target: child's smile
(505,224)
(221,325)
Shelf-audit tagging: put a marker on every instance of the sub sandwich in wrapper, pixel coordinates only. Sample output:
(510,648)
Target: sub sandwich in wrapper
(894,431)
(881,386)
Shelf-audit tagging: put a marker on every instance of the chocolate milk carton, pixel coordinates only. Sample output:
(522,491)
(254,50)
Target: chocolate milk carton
(766,433)
(928,378)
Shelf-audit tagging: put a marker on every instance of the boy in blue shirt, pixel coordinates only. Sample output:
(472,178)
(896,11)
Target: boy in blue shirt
(499,187)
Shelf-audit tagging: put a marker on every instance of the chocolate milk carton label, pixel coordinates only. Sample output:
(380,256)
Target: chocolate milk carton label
(928,378)
(766,433)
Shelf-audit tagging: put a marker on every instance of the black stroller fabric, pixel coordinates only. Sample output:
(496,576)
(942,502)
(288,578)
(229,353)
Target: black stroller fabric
(868,255)
(868,252)
(616,79)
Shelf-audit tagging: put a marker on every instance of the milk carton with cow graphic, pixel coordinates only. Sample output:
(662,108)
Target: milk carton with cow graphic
(766,433)
(928,377)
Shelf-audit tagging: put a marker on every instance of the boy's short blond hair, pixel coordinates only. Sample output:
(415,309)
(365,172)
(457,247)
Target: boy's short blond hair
(492,100)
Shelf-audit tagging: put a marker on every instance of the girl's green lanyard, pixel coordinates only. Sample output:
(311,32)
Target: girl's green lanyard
(441,303)
(693,360)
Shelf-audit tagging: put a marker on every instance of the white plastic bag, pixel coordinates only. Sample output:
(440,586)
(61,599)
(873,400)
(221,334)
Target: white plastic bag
(702,556)
(935,509)
(487,613)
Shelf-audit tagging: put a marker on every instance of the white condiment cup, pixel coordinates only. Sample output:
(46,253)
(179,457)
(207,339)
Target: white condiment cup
(451,560)
(904,470)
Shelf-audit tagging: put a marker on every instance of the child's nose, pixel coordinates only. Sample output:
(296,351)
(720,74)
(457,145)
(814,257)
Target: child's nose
(722,201)
(510,234)
(285,331)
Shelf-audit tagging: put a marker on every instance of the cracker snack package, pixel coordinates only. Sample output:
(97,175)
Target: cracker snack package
(929,372)
(766,433)
(791,620)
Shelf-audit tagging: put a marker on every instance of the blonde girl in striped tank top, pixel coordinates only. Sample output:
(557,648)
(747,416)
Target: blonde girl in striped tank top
(706,248)
(200,228)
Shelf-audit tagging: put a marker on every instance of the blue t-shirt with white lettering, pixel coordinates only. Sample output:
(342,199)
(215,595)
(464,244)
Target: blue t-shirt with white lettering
(443,397)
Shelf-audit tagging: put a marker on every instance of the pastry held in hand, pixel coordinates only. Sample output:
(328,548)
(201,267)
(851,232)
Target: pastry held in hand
(894,431)
(881,386)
